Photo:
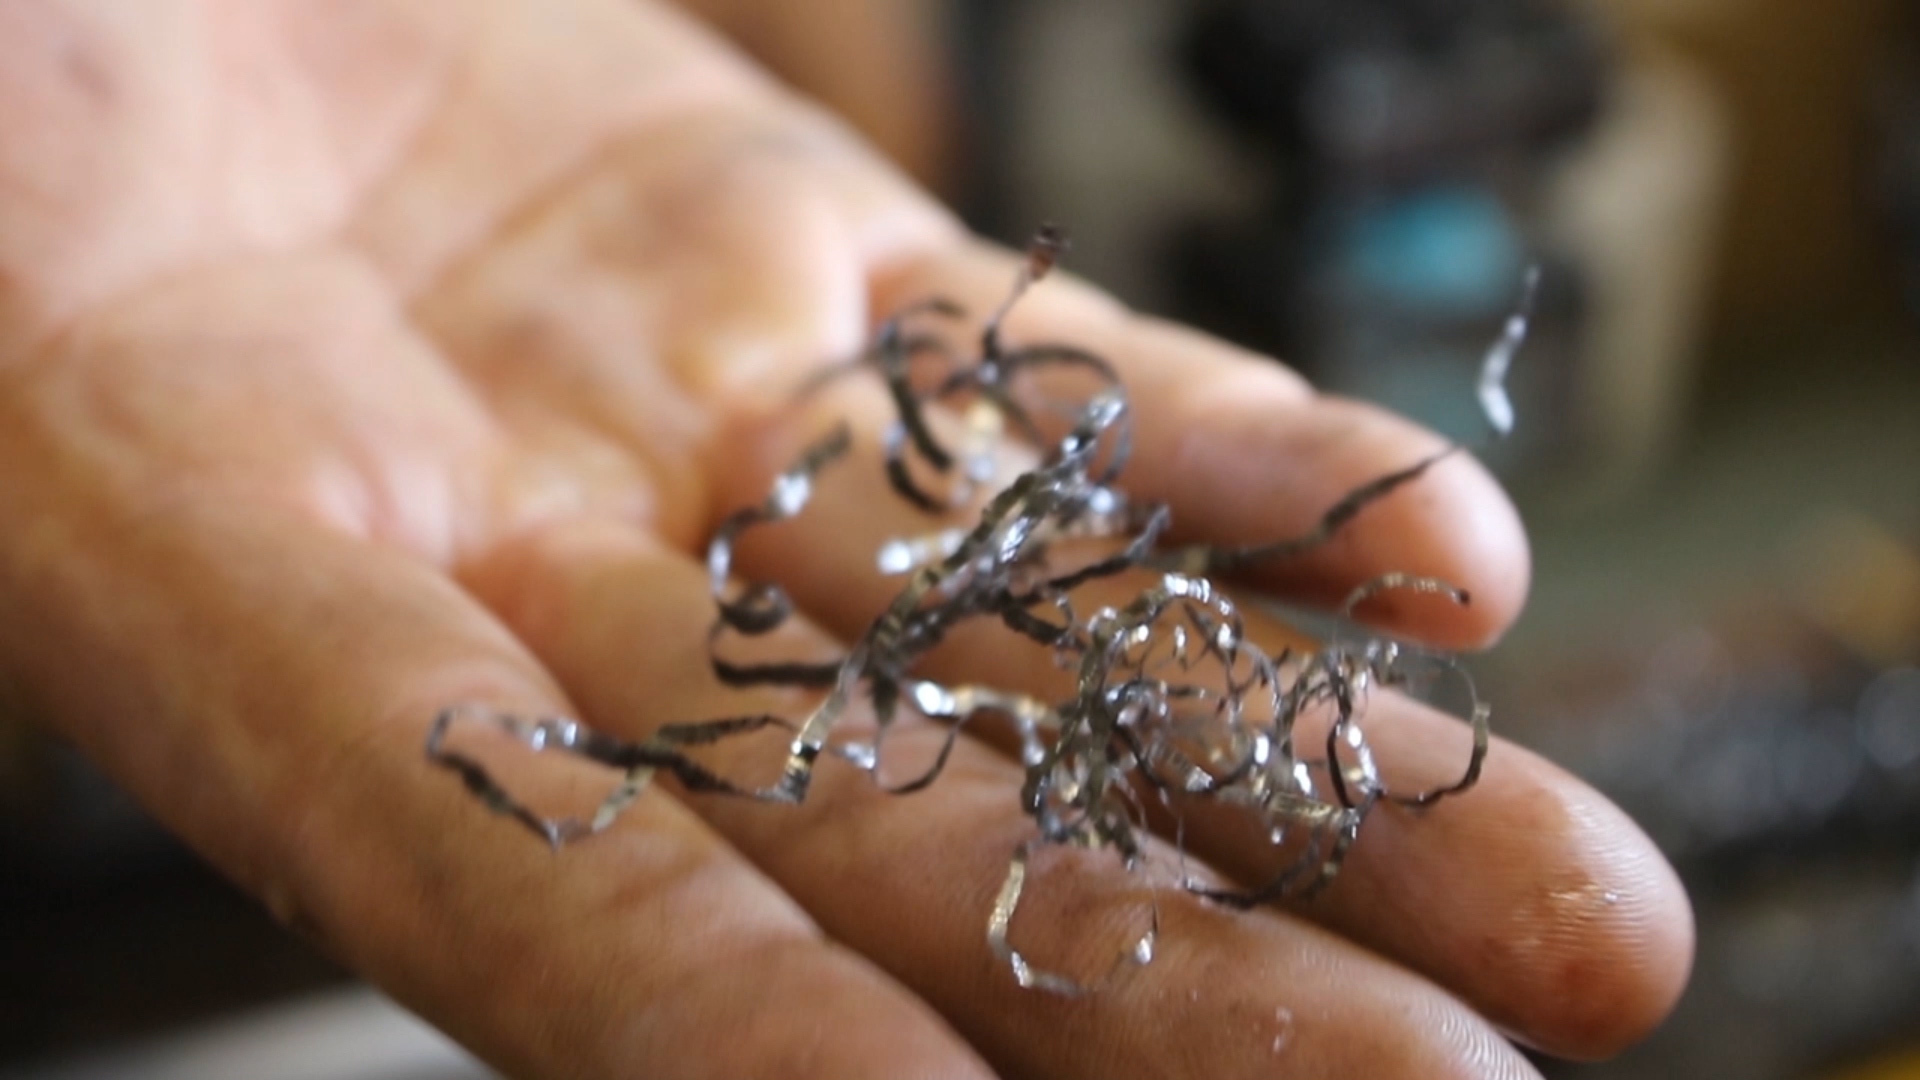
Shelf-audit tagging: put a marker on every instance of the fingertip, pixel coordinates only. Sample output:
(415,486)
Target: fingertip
(1628,951)
(1456,525)
(1584,933)
(1530,896)
(1262,467)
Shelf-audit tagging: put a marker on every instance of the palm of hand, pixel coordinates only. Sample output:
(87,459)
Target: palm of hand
(358,359)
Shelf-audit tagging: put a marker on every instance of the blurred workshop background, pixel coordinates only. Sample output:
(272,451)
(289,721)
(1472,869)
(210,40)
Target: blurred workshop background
(1718,452)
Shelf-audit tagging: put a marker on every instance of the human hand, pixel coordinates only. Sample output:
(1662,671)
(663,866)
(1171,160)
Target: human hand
(357,359)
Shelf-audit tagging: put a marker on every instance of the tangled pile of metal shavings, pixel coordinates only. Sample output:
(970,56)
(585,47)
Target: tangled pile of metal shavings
(1172,700)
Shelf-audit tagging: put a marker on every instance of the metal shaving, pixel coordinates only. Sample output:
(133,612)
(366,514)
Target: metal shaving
(1172,701)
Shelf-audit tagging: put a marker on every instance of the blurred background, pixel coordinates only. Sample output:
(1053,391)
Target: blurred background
(1718,453)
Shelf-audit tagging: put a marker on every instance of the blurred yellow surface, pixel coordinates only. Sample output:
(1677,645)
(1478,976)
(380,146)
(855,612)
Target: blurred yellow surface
(1901,1066)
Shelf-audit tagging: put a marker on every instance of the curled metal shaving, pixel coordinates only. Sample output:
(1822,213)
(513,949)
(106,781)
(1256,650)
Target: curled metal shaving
(665,750)
(1492,385)
(1172,699)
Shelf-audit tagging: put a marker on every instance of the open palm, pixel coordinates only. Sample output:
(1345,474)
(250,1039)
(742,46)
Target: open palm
(361,358)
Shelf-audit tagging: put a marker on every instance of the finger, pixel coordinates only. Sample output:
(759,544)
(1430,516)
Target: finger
(265,688)
(910,880)
(1532,897)
(1246,453)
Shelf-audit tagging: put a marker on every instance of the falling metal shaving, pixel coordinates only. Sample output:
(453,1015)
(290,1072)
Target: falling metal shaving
(1172,699)
(1492,388)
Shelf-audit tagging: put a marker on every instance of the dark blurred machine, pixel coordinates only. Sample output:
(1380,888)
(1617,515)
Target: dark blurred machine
(1408,142)
(1899,164)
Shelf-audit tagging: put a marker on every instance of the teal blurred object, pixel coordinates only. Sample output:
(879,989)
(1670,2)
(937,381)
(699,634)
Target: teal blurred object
(1447,251)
